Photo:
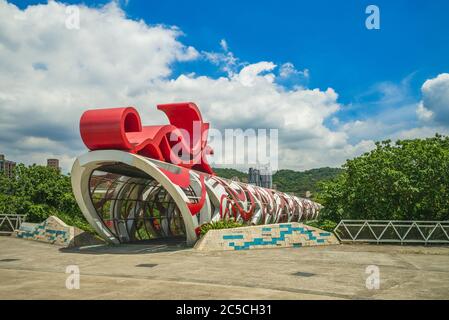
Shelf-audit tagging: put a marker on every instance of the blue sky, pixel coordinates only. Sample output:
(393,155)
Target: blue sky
(327,37)
(378,75)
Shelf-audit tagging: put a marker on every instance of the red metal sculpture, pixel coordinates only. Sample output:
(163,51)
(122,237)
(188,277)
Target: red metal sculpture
(121,129)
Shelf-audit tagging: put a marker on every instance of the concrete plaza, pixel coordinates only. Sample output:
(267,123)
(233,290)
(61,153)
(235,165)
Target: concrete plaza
(34,270)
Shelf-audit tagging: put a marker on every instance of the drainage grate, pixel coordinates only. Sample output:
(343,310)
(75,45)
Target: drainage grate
(303,274)
(8,260)
(147,265)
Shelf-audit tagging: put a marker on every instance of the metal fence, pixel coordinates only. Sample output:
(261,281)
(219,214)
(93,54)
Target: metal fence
(393,231)
(10,222)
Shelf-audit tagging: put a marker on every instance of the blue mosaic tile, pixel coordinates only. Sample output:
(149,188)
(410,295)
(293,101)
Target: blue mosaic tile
(232,236)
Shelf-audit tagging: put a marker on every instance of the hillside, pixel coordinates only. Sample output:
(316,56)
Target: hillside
(297,182)
(230,173)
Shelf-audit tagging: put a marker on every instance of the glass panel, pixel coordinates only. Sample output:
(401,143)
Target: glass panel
(135,208)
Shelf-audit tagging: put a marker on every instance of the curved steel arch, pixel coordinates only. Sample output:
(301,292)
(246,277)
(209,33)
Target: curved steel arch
(86,164)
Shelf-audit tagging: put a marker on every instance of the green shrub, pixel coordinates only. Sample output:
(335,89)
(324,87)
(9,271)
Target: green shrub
(222,224)
(327,225)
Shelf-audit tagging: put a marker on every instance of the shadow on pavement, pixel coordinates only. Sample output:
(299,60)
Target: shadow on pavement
(141,247)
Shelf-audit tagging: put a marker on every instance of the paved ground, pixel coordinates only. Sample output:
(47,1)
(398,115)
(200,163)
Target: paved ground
(33,270)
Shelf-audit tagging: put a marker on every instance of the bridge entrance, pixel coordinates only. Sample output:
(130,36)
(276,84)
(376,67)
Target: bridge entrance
(134,206)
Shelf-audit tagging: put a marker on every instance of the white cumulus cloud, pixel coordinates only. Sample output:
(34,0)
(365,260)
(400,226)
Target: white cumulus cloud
(436,99)
(50,74)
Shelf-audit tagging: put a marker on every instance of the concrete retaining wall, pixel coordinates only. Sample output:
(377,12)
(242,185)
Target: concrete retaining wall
(293,234)
(55,231)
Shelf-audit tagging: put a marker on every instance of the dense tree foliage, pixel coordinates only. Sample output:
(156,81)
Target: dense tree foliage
(406,180)
(39,192)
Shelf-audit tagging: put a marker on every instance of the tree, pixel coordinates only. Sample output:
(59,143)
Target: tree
(39,192)
(408,180)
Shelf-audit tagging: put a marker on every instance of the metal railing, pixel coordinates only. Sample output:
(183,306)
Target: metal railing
(10,222)
(393,231)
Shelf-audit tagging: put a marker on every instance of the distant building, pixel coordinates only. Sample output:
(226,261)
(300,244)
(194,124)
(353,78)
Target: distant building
(6,166)
(261,177)
(266,177)
(53,163)
(254,176)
